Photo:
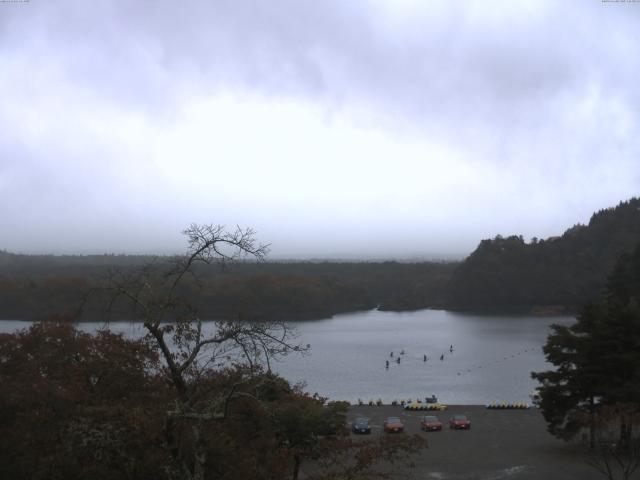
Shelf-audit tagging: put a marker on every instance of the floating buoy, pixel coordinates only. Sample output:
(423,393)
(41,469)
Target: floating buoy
(425,406)
(508,406)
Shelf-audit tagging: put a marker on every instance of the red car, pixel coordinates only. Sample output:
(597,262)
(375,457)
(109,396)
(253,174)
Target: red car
(460,422)
(393,425)
(430,423)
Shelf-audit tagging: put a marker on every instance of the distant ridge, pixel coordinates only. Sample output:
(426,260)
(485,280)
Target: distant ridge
(38,286)
(553,275)
(556,274)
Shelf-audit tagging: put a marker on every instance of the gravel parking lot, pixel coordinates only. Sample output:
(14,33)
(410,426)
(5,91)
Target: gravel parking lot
(502,444)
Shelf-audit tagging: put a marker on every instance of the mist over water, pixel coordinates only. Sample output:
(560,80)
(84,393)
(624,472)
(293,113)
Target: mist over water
(492,356)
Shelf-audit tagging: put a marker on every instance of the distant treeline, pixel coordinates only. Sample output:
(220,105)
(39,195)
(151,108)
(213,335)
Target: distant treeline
(553,274)
(33,287)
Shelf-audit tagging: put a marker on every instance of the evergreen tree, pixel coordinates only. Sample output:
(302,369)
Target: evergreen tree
(597,359)
(566,271)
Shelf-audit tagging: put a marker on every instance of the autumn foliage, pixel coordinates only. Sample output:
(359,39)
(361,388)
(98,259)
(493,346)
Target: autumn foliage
(75,405)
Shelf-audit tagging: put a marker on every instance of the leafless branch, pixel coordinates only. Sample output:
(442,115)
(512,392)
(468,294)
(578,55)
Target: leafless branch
(176,330)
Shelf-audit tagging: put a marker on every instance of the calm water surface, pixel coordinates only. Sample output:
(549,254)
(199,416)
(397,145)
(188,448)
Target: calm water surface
(491,360)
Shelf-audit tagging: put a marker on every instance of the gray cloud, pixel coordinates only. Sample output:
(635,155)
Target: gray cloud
(532,106)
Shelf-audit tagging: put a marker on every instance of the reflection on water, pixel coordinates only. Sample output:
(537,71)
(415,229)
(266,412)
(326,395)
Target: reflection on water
(491,360)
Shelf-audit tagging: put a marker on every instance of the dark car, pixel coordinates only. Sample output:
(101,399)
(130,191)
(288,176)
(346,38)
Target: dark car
(393,425)
(460,422)
(360,425)
(430,423)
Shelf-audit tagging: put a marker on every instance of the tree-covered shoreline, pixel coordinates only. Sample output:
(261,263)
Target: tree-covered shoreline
(504,274)
(562,272)
(33,287)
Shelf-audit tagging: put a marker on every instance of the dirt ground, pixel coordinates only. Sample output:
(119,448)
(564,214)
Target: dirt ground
(502,444)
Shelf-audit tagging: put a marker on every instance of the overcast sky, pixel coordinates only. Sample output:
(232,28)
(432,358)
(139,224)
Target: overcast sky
(354,129)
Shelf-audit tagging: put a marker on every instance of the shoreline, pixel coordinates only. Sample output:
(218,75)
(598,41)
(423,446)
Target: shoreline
(532,311)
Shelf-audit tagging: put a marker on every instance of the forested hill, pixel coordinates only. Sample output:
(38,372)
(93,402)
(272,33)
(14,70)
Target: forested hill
(36,286)
(565,271)
(504,273)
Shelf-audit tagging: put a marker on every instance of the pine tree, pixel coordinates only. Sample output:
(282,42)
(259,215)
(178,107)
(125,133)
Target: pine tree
(597,360)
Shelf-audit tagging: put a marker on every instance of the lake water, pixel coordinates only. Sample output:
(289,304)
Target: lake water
(492,356)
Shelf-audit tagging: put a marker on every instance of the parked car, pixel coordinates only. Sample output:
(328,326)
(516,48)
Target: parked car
(393,425)
(460,422)
(361,425)
(430,423)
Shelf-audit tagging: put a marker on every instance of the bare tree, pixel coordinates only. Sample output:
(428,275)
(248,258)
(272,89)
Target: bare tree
(614,462)
(161,295)
(615,453)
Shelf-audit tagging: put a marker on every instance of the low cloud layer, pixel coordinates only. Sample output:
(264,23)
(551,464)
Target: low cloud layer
(349,129)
